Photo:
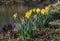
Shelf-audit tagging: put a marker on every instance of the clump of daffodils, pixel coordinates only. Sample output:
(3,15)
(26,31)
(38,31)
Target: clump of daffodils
(37,10)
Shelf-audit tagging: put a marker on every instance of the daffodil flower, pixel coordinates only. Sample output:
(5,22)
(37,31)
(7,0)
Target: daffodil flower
(30,11)
(14,15)
(38,10)
(43,11)
(28,14)
(34,10)
(46,9)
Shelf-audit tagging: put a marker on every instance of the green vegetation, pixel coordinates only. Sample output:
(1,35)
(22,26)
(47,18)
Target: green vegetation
(31,23)
(28,27)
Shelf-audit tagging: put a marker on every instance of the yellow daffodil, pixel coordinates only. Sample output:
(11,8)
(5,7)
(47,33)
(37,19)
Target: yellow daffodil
(38,10)
(46,9)
(43,11)
(30,11)
(28,14)
(34,10)
(14,15)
